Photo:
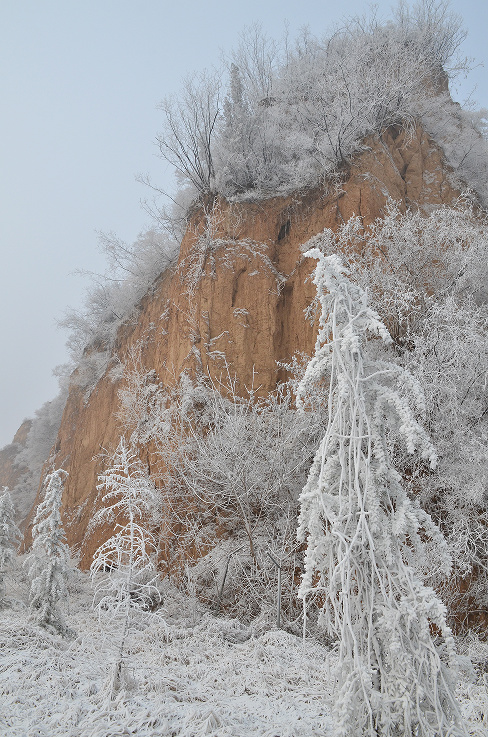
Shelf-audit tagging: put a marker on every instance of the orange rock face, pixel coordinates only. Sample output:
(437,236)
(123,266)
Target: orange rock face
(242,303)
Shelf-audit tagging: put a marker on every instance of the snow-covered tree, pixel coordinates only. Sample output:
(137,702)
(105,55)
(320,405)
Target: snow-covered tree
(189,129)
(295,113)
(9,538)
(364,534)
(48,562)
(426,276)
(123,571)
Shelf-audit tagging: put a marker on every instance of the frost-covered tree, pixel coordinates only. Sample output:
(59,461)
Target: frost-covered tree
(123,570)
(294,114)
(426,276)
(9,538)
(48,561)
(190,127)
(364,534)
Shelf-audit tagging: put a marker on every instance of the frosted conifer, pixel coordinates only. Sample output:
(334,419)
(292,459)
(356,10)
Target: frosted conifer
(9,537)
(363,532)
(48,562)
(128,586)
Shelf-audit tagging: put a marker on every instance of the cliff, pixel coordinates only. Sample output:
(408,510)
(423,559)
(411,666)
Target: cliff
(236,297)
(12,474)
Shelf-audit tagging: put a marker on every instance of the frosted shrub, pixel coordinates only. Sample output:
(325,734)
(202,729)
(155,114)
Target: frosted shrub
(232,466)
(235,466)
(9,538)
(143,411)
(450,358)
(364,534)
(48,561)
(410,261)
(113,298)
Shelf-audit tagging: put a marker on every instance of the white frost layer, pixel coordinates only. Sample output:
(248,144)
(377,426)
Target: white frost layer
(191,675)
(187,680)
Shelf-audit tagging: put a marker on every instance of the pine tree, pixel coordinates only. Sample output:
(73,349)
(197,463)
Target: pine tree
(48,563)
(364,533)
(128,588)
(9,537)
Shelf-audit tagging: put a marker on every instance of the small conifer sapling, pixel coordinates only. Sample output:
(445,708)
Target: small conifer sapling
(123,572)
(48,563)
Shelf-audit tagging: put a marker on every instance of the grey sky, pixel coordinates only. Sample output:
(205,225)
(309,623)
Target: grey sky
(79,85)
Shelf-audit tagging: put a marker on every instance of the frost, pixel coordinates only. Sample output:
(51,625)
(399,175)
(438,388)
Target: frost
(10,536)
(186,679)
(48,561)
(358,523)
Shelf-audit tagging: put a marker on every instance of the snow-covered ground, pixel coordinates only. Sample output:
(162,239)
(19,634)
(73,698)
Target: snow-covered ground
(188,673)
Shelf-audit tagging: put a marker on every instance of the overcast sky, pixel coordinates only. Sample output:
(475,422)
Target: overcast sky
(79,84)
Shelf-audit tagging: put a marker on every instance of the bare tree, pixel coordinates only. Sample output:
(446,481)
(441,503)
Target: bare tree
(190,126)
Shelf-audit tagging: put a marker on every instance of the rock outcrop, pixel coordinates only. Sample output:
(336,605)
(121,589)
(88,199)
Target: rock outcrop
(12,473)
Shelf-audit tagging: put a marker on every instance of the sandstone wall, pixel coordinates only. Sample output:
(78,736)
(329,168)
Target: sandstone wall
(247,303)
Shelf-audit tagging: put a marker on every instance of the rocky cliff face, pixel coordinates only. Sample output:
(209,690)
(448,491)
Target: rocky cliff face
(237,297)
(11,473)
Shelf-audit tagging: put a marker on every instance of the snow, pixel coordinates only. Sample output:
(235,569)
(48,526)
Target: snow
(188,674)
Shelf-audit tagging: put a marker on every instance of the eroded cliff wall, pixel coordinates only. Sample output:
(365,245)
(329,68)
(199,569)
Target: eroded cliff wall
(237,297)
(12,472)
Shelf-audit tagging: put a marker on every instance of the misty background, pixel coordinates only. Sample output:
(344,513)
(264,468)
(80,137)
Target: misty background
(80,82)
